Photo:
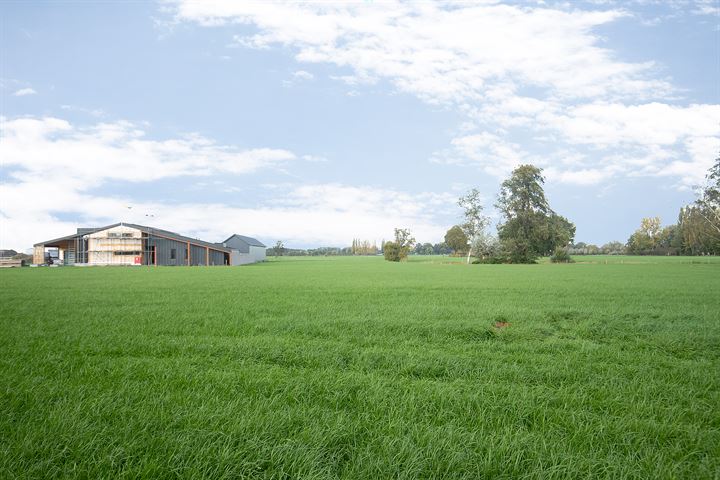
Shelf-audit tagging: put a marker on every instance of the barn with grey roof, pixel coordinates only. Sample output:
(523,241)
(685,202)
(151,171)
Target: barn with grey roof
(245,249)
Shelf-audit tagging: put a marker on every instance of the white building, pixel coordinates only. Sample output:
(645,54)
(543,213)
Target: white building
(245,249)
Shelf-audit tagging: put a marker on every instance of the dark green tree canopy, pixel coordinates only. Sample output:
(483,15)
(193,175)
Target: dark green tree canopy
(456,239)
(529,228)
(522,194)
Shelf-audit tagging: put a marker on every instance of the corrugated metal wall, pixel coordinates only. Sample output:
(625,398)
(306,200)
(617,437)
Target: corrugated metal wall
(217,258)
(164,251)
(197,255)
(163,248)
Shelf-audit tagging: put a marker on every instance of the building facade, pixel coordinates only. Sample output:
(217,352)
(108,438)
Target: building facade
(245,250)
(131,244)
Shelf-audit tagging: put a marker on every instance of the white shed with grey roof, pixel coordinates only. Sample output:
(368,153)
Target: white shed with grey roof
(245,250)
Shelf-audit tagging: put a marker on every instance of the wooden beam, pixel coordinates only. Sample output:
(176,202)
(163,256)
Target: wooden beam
(207,256)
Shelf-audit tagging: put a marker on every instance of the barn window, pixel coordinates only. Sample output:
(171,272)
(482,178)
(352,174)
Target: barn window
(173,254)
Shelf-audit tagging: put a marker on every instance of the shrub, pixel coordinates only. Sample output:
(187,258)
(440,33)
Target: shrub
(561,255)
(392,252)
(493,260)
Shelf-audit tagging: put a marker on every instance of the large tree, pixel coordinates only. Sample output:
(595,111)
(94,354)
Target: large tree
(557,232)
(529,228)
(456,239)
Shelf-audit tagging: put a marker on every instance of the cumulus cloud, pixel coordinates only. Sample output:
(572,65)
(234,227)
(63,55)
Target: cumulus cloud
(483,59)
(490,152)
(121,151)
(33,201)
(442,52)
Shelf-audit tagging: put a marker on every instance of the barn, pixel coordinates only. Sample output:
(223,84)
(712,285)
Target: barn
(131,244)
(245,250)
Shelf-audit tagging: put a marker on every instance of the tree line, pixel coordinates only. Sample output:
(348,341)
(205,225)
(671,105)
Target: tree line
(696,232)
(529,228)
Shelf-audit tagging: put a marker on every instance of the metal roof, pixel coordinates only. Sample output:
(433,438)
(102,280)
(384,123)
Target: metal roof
(75,235)
(145,229)
(249,240)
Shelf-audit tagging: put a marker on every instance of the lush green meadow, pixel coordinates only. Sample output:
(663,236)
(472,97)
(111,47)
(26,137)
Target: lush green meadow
(359,368)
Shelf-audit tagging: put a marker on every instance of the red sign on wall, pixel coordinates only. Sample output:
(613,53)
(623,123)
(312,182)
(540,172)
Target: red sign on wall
(138,260)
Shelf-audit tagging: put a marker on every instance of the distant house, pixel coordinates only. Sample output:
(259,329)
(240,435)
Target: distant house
(245,249)
(7,253)
(131,244)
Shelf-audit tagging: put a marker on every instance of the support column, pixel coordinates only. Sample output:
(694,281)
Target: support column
(207,256)
(188,253)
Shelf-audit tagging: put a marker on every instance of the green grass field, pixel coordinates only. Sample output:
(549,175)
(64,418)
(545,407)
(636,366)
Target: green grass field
(359,368)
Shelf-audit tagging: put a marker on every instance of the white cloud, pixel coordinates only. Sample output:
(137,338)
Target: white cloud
(303,75)
(443,52)
(304,215)
(608,124)
(488,151)
(633,139)
(120,151)
(56,168)
(582,177)
(25,91)
(623,118)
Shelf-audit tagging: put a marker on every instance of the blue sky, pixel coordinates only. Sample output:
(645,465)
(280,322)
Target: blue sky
(316,123)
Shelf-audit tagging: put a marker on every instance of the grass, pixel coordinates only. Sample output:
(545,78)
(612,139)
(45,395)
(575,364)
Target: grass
(359,368)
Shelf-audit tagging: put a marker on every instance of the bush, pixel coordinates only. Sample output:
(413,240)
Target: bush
(561,255)
(492,260)
(392,252)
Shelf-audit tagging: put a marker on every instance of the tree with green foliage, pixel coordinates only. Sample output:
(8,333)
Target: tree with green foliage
(456,239)
(488,249)
(708,201)
(475,222)
(398,250)
(558,232)
(561,255)
(613,248)
(529,228)
(441,248)
(695,232)
(279,248)
(423,249)
(646,238)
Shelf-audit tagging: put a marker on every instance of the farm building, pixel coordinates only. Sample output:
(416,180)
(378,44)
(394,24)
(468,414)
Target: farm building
(7,253)
(131,244)
(245,250)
